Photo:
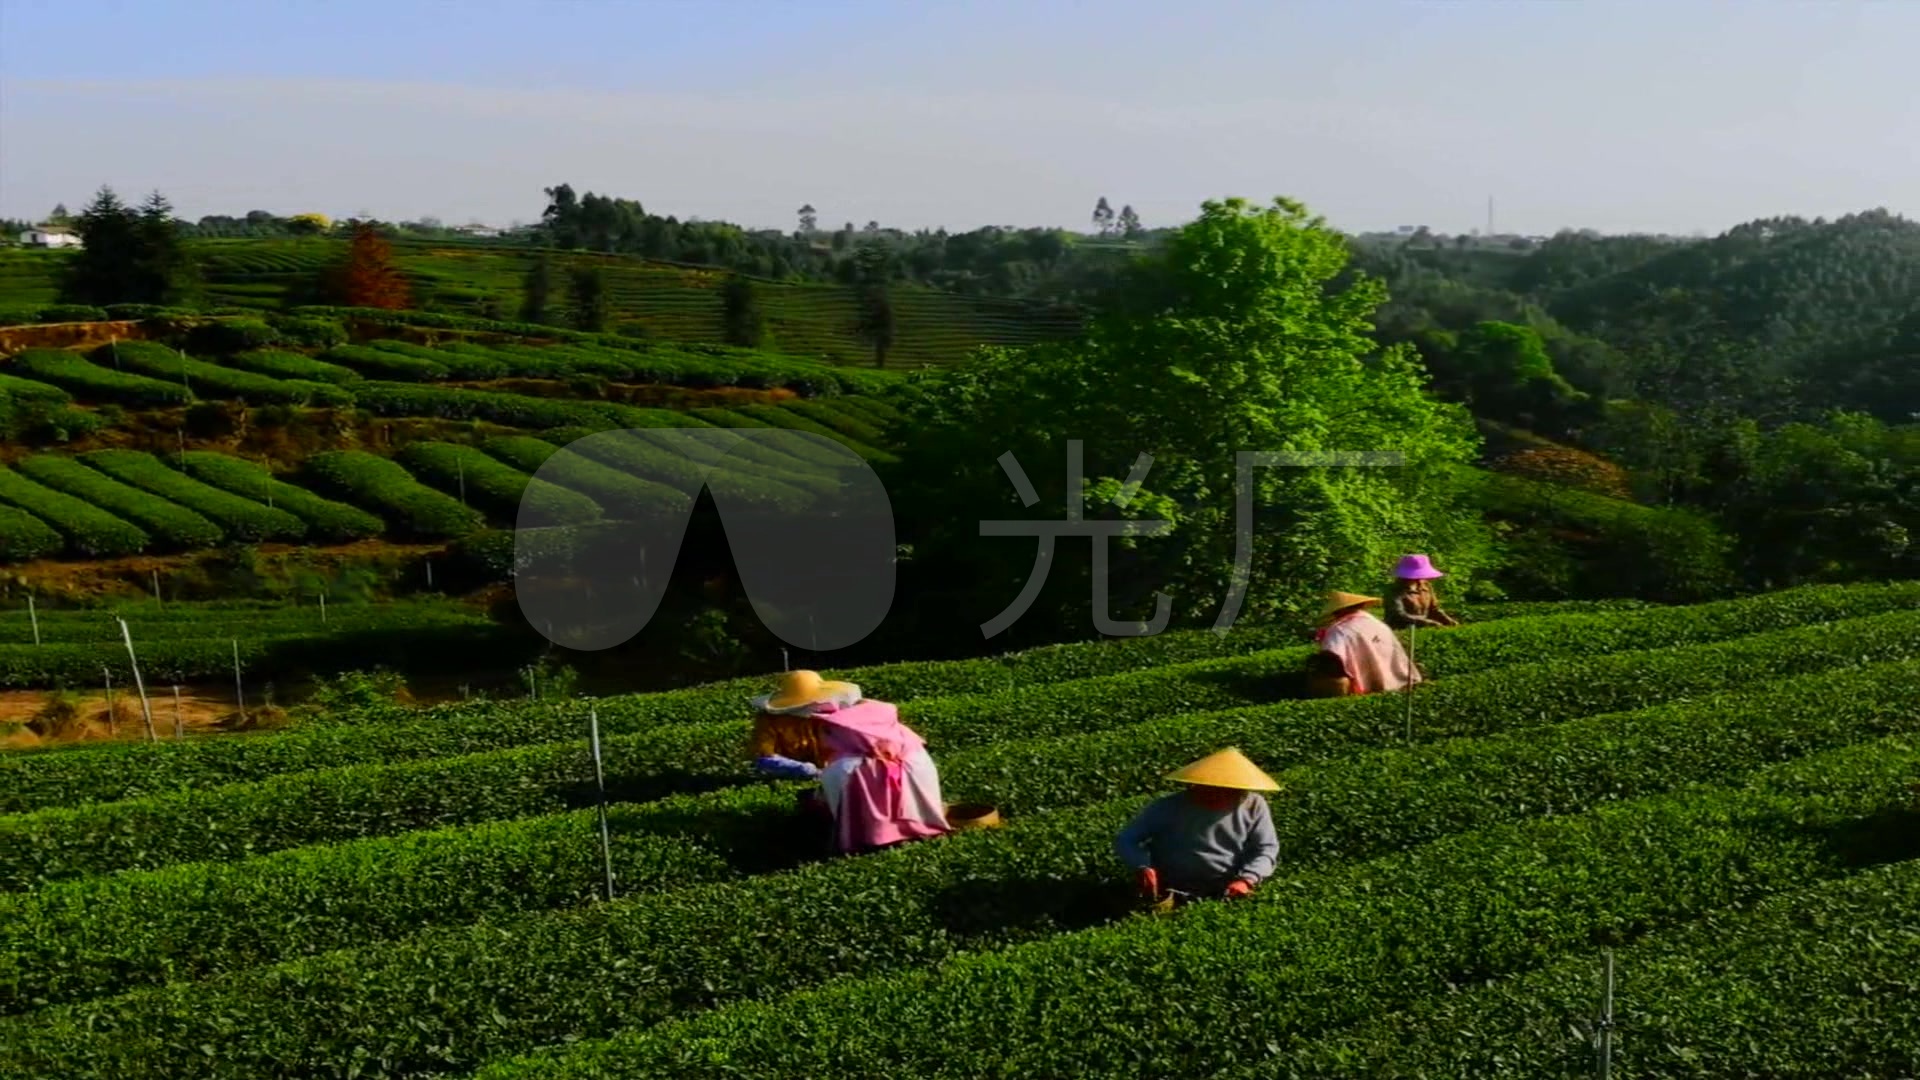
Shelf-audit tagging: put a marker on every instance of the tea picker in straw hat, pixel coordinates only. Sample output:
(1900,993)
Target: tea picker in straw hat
(1412,602)
(878,784)
(1216,838)
(1364,648)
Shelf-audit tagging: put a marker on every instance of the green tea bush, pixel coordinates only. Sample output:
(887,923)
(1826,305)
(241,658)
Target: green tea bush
(309,332)
(409,506)
(59,313)
(169,524)
(1822,970)
(460,364)
(1474,896)
(91,382)
(215,381)
(24,537)
(496,487)
(289,365)
(457,403)
(293,810)
(1308,954)
(618,493)
(828,414)
(381,364)
(657,461)
(87,936)
(328,520)
(243,519)
(1051,691)
(88,529)
(219,337)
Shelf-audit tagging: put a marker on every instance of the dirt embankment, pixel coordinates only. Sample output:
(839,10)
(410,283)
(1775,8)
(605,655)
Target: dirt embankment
(68,335)
(30,718)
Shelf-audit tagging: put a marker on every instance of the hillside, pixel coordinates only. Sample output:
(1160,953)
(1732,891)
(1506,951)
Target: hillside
(391,892)
(1779,314)
(661,301)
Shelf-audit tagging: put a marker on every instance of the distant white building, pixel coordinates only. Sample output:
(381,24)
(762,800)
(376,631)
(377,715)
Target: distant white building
(477,230)
(50,236)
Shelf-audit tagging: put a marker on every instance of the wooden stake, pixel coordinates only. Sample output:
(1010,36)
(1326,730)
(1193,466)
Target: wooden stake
(113,725)
(323,607)
(239,695)
(1414,673)
(156,586)
(179,721)
(139,684)
(600,787)
(34,618)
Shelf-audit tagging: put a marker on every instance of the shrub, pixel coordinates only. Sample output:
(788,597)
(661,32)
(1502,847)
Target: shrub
(409,506)
(37,412)
(382,364)
(345,803)
(242,518)
(222,336)
(497,487)
(828,414)
(1577,545)
(309,332)
(174,526)
(617,492)
(1490,902)
(70,371)
(634,454)
(1340,810)
(88,529)
(458,403)
(60,313)
(964,701)
(215,381)
(1700,991)
(331,521)
(287,365)
(460,364)
(1474,895)
(24,537)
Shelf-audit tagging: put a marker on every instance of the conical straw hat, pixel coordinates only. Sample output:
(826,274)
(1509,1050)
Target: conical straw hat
(1228,768)
(802,689)
(1341,601)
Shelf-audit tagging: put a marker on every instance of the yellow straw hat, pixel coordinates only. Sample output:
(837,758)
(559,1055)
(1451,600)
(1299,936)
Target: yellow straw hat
(805,689)
(1228,768)
(1338,602)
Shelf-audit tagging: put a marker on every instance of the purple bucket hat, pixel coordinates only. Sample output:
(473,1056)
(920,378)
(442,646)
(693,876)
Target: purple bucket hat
(1416,568)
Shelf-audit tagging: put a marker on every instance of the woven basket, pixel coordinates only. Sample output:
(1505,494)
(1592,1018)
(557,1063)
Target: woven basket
(973,816)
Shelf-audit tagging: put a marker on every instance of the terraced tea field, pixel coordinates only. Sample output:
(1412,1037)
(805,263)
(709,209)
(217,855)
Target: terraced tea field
(670,302)
(1722,793)
(484,419)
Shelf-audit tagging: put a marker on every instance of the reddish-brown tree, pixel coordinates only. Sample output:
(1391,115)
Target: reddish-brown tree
(368,278)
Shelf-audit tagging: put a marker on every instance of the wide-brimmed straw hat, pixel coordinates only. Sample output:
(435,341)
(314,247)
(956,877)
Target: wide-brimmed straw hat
(1338,602)
(1416,568)
(801,690)
(1227,768)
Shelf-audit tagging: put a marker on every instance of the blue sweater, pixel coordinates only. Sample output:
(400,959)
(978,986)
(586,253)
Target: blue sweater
(1199,850)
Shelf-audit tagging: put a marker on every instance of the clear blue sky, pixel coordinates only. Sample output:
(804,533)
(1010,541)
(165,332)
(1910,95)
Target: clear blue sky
(1617,115)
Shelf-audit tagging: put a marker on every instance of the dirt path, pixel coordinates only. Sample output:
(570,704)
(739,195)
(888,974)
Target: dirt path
(28,720)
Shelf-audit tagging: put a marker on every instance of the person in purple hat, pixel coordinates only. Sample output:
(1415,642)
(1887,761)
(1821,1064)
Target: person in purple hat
(1412,602)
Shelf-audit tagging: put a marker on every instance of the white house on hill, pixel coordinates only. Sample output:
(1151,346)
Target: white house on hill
(50,236)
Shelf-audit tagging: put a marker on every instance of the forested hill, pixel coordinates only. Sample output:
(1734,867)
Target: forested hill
(1782,316)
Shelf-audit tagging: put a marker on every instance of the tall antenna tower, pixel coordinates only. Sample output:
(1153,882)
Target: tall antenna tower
(1489,215)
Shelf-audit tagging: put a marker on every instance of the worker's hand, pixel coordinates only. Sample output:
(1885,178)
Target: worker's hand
(1149,883)
(1240,887)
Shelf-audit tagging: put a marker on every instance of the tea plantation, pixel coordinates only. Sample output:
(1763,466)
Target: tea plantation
(256,434)
(1722,794)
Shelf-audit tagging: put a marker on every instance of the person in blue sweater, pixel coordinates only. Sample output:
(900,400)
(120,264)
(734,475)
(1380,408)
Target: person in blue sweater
(1216,838)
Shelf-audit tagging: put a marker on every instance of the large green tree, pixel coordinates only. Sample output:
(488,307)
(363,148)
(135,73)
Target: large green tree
(1232,337)
(129,255)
